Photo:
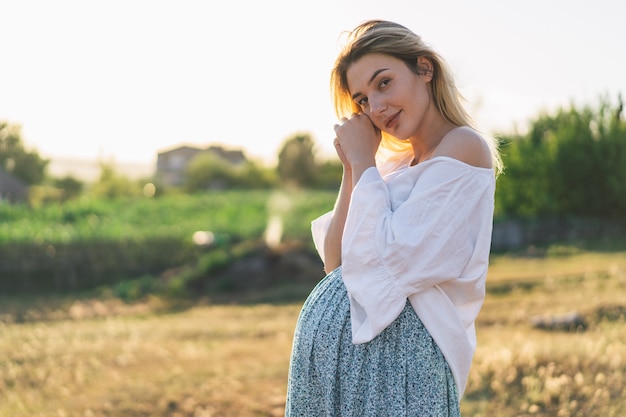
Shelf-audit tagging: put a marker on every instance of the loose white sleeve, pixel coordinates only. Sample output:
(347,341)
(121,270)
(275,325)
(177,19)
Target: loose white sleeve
(411,233)
(319,229)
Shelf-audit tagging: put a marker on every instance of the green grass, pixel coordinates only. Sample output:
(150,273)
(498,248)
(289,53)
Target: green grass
(239,213)
(86,242)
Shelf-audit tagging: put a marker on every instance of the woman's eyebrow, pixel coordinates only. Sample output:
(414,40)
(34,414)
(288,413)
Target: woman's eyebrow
(355,95)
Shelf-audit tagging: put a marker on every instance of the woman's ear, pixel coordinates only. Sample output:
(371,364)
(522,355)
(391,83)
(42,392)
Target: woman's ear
(425,68)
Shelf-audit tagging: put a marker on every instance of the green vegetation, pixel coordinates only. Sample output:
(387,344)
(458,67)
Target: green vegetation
(209,171)
(87,242)
(15,158)
(570,163)
(242,213)
(177,216)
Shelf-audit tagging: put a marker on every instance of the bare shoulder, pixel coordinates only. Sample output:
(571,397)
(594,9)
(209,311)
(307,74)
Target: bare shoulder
(467,145)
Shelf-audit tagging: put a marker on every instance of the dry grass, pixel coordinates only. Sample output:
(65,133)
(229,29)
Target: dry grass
(522,371)
(99,358)
(206,361)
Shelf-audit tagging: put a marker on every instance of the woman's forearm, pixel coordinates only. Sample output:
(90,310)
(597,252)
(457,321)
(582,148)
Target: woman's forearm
(332,243)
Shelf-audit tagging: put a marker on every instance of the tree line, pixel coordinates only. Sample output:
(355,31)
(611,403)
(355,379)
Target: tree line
(571,161)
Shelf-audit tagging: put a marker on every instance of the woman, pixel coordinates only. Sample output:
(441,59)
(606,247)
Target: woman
(390,330)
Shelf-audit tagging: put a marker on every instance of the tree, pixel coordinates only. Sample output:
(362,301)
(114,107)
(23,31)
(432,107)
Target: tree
(110,184)
(296,161)
(328,174)
(257,176)
(14,158)
(210,171)
(572,162)
(71,187)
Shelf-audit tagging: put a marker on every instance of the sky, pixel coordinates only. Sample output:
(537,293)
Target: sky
(121,80)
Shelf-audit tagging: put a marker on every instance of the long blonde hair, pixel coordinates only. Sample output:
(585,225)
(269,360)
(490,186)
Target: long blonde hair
(389,38)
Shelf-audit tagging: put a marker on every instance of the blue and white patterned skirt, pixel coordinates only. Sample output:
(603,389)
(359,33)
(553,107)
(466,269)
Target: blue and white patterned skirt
(401,372)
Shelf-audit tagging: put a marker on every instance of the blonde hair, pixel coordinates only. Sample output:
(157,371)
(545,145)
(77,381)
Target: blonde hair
(389,38)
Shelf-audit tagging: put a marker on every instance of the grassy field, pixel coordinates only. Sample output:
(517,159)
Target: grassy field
(89,357)
(243,213)
(87,242)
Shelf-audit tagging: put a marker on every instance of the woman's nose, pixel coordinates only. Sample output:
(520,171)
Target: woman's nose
(376,106)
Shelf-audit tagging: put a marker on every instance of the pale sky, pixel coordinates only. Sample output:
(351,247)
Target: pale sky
(125,79)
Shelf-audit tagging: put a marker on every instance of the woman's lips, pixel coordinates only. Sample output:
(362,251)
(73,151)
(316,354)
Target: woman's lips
(392,121)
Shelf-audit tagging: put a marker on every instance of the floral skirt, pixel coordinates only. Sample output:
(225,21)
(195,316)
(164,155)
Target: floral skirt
(401,372)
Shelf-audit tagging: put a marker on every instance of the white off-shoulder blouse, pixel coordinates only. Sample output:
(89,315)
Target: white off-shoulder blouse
(424,233)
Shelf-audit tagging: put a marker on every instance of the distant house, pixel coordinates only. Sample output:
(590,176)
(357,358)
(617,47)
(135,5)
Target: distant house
(172,164)
(12,189)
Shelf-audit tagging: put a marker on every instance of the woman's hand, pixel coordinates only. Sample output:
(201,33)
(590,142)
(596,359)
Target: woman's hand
(342,156)
(357,142)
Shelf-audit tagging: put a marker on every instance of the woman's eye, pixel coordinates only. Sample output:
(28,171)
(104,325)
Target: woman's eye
(362,102)
(383,83)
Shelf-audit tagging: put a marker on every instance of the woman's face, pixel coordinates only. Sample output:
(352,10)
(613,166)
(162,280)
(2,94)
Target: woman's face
(394,97)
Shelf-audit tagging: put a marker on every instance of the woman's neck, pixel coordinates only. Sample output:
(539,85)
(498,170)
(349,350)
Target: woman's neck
(424,144)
